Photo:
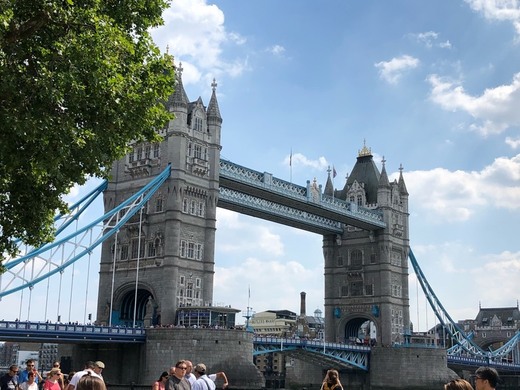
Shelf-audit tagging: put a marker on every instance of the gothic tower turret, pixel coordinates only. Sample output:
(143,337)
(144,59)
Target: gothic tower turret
(366,272)
(165,260)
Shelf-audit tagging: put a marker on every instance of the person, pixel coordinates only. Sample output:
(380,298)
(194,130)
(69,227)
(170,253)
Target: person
(458,384)
(160,383)
(177,381)
(331,381)
(99,366)
(91,382)
(29,384)
(189,375)
(30,367)
(9,381)
(53,380)
(202,382)
(192,378)
(89,370)
(66,380)
(486,378)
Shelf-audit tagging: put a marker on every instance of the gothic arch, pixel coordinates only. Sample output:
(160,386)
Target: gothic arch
(125,304)
(358,328)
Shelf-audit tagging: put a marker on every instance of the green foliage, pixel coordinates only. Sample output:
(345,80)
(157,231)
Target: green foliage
(79,80)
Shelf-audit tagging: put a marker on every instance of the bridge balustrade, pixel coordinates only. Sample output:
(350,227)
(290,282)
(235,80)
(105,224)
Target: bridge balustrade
(24,330)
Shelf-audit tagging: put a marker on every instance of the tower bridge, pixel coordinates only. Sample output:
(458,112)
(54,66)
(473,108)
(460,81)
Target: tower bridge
(158,240)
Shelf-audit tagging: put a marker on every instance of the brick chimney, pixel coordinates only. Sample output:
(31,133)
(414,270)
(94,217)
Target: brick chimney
(302,304)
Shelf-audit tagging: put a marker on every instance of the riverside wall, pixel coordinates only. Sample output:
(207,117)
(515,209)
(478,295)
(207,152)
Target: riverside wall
(225,350)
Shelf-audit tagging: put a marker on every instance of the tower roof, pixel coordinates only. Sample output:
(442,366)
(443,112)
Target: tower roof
(213,110)
(365,171)
(383,179)
(179,98)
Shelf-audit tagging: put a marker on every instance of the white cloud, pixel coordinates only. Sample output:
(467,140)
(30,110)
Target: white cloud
(457,195)
(391,71)
(195,33)
(276,50)
(501,10)
(495,110)
(513,142)
(429,39)
(300,160)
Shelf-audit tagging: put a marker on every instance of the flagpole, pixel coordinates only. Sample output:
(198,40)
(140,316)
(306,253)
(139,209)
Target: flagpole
(290,167)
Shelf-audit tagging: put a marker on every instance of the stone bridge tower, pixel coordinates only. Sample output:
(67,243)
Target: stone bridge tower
(366,272)
(169,255)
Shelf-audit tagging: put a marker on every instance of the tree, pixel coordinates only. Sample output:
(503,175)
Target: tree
(79,80)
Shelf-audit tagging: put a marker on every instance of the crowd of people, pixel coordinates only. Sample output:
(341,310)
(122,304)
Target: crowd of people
(486,378)
(183,376)
(90,378)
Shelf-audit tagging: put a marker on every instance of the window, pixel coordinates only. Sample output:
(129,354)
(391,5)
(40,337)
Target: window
(189,149)
(191,250)
(182,249)
(340,260)
(124,252)
(140,153)
(182,281)
(198,251)
(344,291)
(198,151)
(356,258)
(151,249)
(137,248)
(158,205)
(369,289)
(197,282)
(198,124)
(201,209)
(131,157)
(192,207)
(147,151)
(185,205)
(156,150)
(359,200)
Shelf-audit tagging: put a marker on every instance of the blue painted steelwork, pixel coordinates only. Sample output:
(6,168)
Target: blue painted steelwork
(22,331)
(63,221)
(350,355)
(266,187)
(465,346)
(108,225)
(279,213)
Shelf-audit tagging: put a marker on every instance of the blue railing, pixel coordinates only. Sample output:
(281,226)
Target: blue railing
(76,333)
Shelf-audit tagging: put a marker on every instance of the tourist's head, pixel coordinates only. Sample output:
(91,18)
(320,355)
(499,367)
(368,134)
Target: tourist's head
(89,382)
(458,384)
(180,368)
(163,376)
(486,378)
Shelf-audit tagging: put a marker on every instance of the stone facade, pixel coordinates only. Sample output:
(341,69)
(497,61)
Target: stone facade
(366,272)
(168,249)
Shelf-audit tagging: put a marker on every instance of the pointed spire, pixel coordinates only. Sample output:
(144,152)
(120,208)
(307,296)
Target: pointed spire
(329,188)
(179,97)
(402,186)
(383,179)
(213,111)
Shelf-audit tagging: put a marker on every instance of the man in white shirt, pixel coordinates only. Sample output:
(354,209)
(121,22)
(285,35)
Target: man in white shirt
(89,368)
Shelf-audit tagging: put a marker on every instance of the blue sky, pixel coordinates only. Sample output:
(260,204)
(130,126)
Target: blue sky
(431,85)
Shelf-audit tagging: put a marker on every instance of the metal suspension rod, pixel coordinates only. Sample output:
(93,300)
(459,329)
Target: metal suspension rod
(47,294)
(137,265)
(88,281)
(113,274)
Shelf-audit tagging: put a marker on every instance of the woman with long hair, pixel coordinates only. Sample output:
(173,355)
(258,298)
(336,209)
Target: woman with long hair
(331,381)
(160,384)
(458,384)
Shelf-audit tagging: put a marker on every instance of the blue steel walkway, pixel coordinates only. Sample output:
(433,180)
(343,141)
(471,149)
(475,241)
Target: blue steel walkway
(264,196)
(41,332)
